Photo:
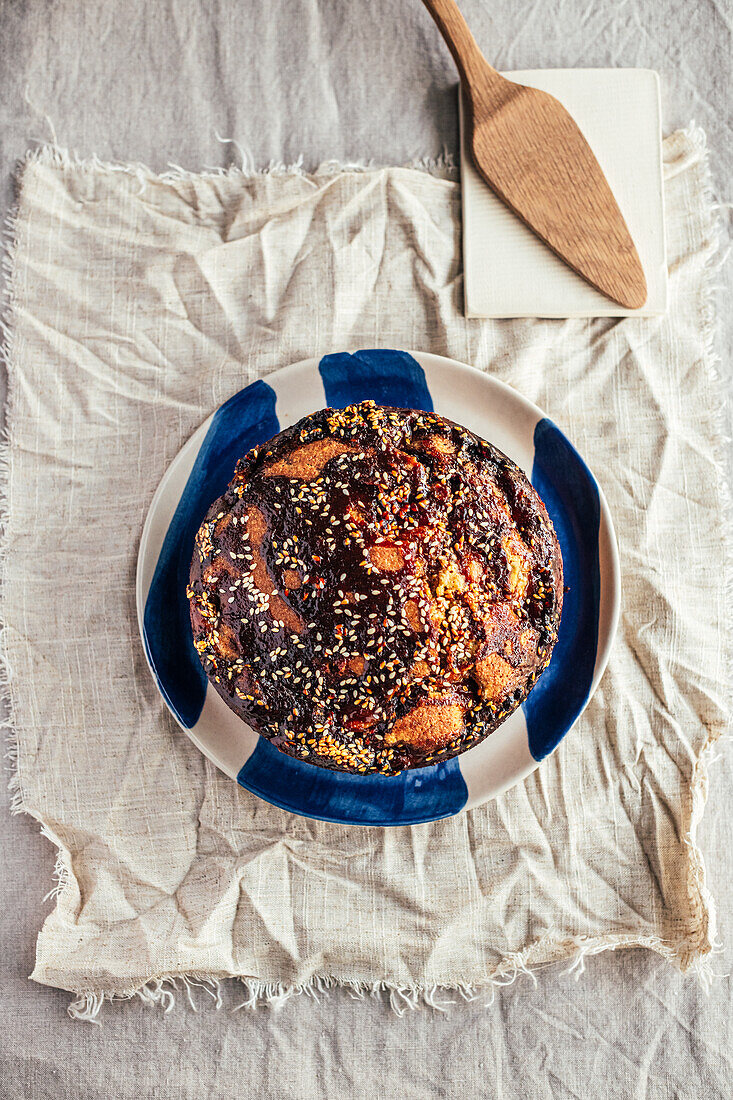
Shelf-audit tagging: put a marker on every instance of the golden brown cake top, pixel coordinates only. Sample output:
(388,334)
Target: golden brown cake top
(377,589)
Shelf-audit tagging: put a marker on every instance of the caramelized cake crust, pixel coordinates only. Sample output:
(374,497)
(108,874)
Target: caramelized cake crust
(377,589)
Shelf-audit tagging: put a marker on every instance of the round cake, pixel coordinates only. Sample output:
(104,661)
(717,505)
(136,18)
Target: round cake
(377,589)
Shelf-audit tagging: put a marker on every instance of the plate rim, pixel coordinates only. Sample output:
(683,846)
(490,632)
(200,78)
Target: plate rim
(609,569)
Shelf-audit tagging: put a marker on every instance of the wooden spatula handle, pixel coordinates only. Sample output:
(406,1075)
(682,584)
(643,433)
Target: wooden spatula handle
(476,73)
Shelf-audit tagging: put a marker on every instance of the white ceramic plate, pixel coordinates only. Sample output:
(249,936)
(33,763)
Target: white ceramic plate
(200,473)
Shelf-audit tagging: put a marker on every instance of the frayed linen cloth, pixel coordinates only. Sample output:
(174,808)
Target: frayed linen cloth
(138,304)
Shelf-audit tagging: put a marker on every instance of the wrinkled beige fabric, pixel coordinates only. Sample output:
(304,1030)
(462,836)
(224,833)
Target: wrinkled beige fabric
(140,304)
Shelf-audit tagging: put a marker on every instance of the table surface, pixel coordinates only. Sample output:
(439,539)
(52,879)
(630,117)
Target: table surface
(156,83)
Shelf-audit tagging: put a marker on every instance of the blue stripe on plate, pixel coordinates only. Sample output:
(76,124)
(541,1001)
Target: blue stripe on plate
(383,375)
(424,794)
(246,419)
(570,493)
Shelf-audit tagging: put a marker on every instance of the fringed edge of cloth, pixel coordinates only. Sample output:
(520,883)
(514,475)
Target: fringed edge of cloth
(694,952)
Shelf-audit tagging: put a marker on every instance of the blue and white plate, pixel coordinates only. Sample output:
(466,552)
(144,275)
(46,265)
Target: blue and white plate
(201,472)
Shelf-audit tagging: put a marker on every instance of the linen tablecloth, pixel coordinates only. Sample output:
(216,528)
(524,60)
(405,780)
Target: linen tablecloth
(377,84)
